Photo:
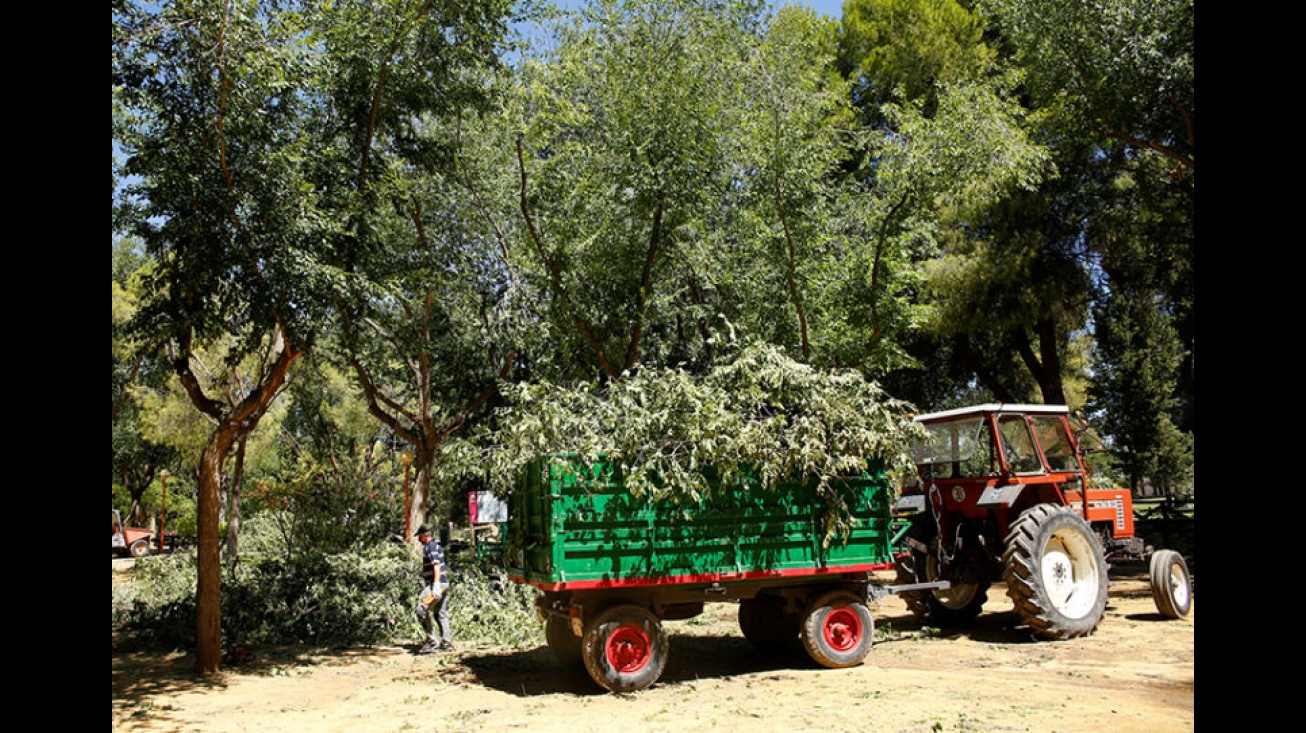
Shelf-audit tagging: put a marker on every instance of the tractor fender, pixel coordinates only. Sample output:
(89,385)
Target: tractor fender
(1000,495)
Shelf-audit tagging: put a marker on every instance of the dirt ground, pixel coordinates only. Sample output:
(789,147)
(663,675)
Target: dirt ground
(1136,673)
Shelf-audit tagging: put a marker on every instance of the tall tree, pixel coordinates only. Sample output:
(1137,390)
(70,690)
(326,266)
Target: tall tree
(420,328)
(254,134)
(430,348)
(1113,83)
(623,157)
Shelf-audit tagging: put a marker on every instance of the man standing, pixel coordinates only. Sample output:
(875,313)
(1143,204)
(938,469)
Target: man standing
(433,603)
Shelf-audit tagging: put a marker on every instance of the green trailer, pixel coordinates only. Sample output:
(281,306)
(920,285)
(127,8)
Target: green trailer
(613,566)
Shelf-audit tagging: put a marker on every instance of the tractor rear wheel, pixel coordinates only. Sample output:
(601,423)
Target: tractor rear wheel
(1056,572)
(625,648)
(956,607)
(1172,586)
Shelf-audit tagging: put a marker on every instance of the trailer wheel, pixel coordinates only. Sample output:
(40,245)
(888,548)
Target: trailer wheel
(139,548)
(1172,586)
(765,624)
(838,630)
(565,646)
(957,606)
(1056,572)
(625,649)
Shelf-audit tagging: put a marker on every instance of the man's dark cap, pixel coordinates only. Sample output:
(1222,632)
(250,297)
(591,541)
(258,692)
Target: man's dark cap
(423,529)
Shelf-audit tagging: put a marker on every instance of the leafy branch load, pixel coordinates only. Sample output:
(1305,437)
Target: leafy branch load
(674,435)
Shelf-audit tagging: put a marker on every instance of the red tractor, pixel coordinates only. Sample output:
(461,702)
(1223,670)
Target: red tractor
(1001,495)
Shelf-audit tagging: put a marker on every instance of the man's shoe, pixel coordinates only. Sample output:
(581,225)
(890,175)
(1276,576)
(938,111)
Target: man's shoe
(445,646)
(428,648)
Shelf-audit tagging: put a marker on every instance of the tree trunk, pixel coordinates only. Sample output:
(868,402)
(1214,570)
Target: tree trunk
(208,617)
(234,422)
(1049,376)
(976,365)
(233,506)
(421,493)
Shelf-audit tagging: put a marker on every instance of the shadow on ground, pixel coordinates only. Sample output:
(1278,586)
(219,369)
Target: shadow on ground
(697,658)
(141,675)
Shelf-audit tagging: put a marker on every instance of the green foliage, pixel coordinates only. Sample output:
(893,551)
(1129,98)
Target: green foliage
(486,607)
(907,49)
(357,597)
(366,596)
(1110,83)
(348,598)
(337,484)
(158,605)
(1120,70)
(628,139)
(1137,381)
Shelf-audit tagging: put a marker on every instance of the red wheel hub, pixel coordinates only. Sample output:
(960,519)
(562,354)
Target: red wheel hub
(628,649)
(842,629)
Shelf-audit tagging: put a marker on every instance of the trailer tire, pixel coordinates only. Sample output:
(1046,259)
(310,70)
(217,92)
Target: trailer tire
(1056,572)
(838,630)
(139,548)
(765,624)
(625,648)
(565,646)
(1172,586)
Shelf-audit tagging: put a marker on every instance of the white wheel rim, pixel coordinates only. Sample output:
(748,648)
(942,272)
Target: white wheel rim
(1069,574)
(1178,587)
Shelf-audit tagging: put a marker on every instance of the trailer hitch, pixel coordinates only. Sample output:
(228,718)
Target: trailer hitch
(877,593)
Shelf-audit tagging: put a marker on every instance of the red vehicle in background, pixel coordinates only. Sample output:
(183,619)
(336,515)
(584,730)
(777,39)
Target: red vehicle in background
(1001,495)
(133,541)
(138,541)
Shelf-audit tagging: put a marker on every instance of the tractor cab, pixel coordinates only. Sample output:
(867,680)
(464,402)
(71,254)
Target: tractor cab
(995,460)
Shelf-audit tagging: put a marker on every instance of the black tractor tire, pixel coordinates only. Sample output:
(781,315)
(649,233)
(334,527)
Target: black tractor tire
(1056,572)
(765,624)
(139,548)
(564,645)
(1172,586)
(625,648)
(956,607)
(838,630)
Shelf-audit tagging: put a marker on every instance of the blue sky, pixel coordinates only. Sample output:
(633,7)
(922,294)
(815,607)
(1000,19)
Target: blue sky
(832,8)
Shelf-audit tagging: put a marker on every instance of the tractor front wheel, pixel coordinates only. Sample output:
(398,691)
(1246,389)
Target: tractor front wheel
(1172,586)
(1056,572)
(139,548)
(625,648)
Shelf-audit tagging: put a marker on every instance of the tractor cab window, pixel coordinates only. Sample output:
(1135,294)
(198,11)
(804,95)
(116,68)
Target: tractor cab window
(958,448)
(1017,444)
(1057,449)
